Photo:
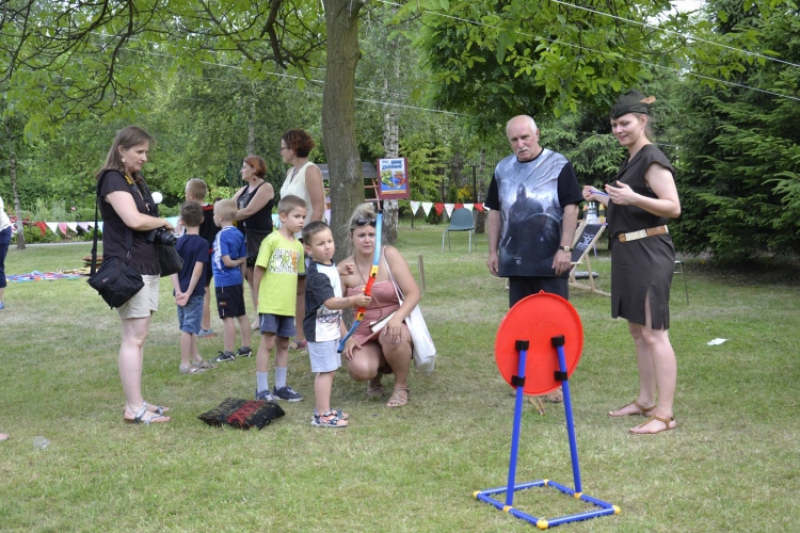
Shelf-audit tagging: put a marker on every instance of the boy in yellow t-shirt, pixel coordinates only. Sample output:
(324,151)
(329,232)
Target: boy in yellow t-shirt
(280,259)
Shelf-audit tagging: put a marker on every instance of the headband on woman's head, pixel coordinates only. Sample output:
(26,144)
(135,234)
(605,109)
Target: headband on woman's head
(631,102)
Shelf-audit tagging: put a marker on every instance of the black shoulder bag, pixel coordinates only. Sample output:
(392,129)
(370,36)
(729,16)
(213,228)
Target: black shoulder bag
(115,280)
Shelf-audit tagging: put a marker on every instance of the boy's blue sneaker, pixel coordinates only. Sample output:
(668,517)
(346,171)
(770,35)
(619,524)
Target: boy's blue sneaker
(265,395)
(2,306)
(287,394)
(244,352)
(205,333)
(223,357)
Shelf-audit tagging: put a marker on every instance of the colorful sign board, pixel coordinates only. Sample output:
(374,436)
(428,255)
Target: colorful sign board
(393,176)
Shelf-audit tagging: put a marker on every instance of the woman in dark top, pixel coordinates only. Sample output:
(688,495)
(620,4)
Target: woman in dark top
(255,202)
(641,199)
(128,213)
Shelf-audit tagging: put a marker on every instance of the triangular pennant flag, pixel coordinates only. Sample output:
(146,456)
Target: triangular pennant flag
(173,221)
(63,227)
(100,226)
(73,226)
(42,227)
(459,206)
(449,208)
(84,226)
(469,206)
(52,225)
(439,206)
(480,207)
(426,207)
(414,208)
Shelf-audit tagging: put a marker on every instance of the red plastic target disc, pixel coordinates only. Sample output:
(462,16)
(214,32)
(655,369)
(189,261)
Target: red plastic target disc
(537,319)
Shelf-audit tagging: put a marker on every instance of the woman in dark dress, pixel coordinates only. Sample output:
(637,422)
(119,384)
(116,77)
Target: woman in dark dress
(128,209)
(639,202)
(255,202)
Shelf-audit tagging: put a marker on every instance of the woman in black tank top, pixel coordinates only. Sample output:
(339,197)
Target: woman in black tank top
(255,202)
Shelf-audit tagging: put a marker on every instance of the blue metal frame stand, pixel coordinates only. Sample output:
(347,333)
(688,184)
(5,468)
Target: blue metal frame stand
(603,508)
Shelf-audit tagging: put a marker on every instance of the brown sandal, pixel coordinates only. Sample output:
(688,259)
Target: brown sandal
(396,400)
(642,410)
(665,421)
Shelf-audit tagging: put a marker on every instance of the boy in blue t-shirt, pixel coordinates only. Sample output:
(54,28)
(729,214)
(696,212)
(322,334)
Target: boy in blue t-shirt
(228,263)
(190,287)
(196,191)
(322,323)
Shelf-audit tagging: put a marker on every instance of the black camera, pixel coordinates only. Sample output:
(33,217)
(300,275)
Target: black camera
(161,236)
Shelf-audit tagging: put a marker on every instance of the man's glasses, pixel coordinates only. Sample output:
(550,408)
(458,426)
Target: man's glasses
(361,222)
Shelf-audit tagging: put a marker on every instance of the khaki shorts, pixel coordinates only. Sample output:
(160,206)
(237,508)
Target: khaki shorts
(143,302)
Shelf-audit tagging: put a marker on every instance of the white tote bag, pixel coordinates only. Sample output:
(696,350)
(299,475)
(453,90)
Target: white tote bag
(424,351)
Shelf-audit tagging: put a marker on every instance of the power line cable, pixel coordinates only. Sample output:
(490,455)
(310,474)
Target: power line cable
(673,32)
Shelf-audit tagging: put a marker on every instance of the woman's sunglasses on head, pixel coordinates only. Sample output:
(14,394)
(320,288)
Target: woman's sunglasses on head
(361,222)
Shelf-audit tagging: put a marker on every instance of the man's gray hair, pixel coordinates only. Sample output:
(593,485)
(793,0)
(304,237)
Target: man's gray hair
(532,123)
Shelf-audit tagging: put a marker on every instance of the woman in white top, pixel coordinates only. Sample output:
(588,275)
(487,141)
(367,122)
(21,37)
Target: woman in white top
(5,242)
(304,179)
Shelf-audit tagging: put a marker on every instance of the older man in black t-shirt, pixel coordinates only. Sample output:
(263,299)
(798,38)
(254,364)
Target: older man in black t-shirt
(533,197)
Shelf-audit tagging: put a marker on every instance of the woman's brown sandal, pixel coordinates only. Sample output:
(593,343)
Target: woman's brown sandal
(665,421)
(396,399)
(642,410)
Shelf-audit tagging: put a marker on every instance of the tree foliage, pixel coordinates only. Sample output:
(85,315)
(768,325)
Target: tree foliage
(740,148)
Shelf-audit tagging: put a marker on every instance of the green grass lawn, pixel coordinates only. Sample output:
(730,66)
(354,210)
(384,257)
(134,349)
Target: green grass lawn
(732,464)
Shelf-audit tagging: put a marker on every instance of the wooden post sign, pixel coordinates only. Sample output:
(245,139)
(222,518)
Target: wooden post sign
(393,175)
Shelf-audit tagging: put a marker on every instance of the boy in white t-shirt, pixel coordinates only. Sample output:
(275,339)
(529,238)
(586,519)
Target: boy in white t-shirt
(322,323)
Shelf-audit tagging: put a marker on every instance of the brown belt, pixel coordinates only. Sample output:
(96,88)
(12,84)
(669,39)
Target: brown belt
(642,233)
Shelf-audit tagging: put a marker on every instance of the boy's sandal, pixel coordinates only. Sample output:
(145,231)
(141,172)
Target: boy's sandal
(338,412)
(397,399)
(665,421)
(642,410)
(155,418)
(328,420)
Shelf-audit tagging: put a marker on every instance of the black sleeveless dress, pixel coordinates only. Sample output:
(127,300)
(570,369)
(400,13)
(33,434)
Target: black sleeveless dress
(644,266)
(258,225)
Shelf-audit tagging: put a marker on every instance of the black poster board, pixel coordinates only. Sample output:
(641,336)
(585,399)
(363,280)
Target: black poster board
(585,240)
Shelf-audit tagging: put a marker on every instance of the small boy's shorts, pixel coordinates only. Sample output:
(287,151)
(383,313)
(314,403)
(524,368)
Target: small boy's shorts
(282,326)
(191,315)
(324,357)
(230,301)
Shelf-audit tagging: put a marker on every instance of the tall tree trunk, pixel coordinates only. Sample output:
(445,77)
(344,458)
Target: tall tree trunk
(251,126)
(339,115)
(12,167)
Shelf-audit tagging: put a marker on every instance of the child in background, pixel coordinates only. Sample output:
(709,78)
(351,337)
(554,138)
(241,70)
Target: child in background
(196,191)
(228,265)
(280,260)
(322,323)
(190,288)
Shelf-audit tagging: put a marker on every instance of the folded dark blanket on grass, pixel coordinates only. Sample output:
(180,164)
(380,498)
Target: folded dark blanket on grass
(243,414)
